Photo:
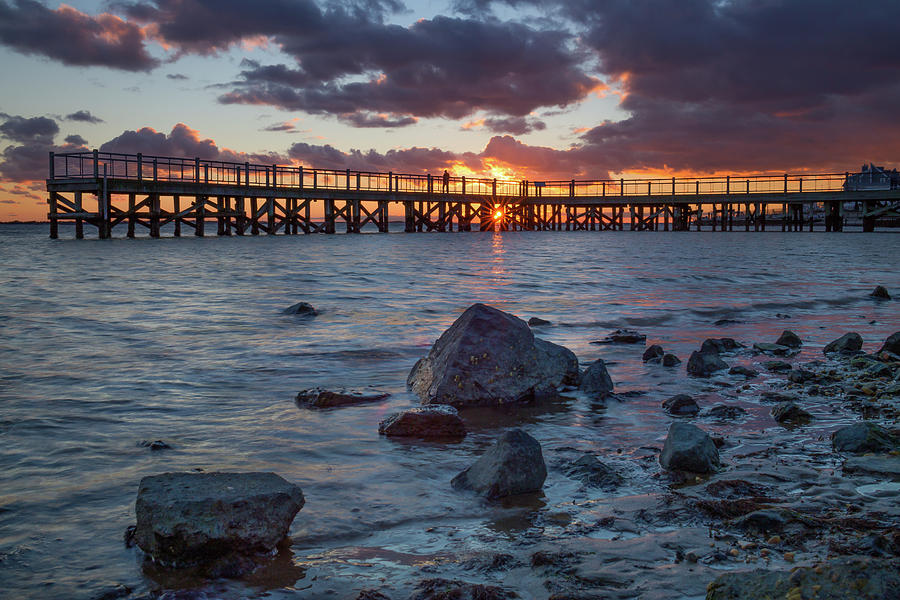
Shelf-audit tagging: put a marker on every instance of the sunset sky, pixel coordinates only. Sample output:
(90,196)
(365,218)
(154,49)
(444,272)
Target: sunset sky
(552,89)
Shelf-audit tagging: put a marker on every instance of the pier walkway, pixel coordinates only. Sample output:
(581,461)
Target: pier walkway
(107,190)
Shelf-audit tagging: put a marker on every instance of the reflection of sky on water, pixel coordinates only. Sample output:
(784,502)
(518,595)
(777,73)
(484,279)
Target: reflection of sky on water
(108,344)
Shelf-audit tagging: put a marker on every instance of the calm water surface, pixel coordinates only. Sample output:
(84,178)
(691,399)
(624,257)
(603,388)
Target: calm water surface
(104,344)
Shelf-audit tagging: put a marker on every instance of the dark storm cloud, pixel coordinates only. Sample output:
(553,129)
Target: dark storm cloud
(73,37)
(407,160)
(84,116)
(76,140)
(513,125)
(443,67)
(40,130)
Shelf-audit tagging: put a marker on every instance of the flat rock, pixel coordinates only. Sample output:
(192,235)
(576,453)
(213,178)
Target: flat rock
(774,349)
(538,322)
(847,343)
(790,339)
(681,405)
(880,292)
(688,448)
(489,357)
(623,336)
(433,421)
(777,366)
(654,352)
(446,589)
(303,309)
(858,578)
(764,521)
(745,371)
(185,519)
(322,398)
(590,471)
(704,364)
(513,465)
(892,344)
(864,436)
(887,466)
(790,413)
(595,380)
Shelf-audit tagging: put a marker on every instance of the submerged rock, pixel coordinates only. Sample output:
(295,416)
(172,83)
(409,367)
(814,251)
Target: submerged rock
(538,322)
(799,375)
(689,448)
(681,405)
(623,336)
(513,465)
(670,360)
(304,309)
(596,380)
(849,342)
(725,411)
(155,445)
(745,371)
(777,366)
(433,421)
(764,521)
(790,339)
(790,413)
(892,344)
(654,352)
(321,398)
(880,292)
(864,436)
(839,579)
(704,364)
(489,357)
(446,589)
(592,472)
(186,519)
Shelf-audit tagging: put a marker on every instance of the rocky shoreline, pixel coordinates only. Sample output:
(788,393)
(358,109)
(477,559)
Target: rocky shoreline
(776,521)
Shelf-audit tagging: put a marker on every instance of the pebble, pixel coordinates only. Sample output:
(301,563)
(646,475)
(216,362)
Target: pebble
(789,556)
(775,539)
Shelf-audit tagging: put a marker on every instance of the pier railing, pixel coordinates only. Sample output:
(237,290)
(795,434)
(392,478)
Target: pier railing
(81,165)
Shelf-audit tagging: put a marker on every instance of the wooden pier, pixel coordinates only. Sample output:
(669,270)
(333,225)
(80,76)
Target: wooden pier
(106,190)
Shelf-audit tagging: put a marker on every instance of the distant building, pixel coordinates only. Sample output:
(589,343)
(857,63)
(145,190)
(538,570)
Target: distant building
(872,177)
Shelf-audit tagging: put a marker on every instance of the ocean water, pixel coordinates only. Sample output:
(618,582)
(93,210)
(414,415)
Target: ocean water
(104,344)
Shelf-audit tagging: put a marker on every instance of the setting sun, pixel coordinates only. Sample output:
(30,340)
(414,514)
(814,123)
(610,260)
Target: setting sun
(498,214)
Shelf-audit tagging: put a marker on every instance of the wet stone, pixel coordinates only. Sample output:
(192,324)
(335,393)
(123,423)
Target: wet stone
(769,396)
(847,343)
(864,437)
(773,349)
(720,345)
(654,352)
(887,466)
(880,292)
(670,360)
(790,339)
(303,309)
(513,465)
(538,322)
(704,364)
(322,398)
(724,411)
(790,413)
(802,376)
(595,380)
(590,471)
(688,448)
(445,589)
(155,445)
(765,521)
(745,371)
(432,421)
(623,336)
(891,344)
(777,366)
(681,405)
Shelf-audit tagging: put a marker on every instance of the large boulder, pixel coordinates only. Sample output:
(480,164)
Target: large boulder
(892,344)
(434,421)
(513,465)
(849,342)
(489,357)
(186,519)
(704,364)
(689,448)
(596,380)
(839,579)
(864,436)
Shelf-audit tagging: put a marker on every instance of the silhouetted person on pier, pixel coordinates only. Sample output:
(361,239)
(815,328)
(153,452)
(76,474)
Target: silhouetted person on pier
(446,182)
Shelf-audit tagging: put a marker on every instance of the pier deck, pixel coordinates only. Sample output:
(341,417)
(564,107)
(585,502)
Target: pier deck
(106,190)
